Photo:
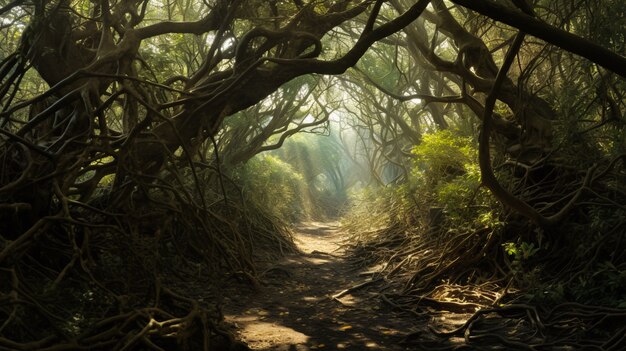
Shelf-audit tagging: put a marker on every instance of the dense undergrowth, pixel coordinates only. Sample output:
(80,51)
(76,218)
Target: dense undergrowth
(142,271)
(300,181)
(443,241)
(130,192)
(142,265)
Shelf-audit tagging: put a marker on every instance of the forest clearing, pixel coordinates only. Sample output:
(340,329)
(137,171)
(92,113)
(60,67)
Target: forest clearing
(312,175)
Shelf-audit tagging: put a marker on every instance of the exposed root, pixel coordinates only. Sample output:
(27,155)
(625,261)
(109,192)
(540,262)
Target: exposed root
(525,327)
(139,273)
(355,288)
(513,278)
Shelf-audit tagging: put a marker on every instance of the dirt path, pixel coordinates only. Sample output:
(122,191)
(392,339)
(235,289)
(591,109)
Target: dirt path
(295,311)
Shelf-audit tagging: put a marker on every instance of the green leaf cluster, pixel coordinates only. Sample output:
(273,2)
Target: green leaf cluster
(446,172)
(443,150)
(272,184)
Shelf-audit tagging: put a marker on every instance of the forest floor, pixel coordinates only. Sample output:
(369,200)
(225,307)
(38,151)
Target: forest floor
(294,309)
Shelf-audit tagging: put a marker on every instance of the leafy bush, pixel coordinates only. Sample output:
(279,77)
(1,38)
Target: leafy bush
(319,160)
(443,155)
(446,172)
(375,208)
(273,185)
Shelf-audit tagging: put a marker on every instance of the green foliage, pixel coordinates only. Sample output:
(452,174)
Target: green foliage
(311,154)
(598,243)
(444,152)
(604,279)
(374,208)
(272,184)
(319,159)
(447,173)
(520,252)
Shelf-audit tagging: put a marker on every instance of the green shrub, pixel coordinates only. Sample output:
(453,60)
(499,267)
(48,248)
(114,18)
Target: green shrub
(443,155)
(273,185)
(446,172)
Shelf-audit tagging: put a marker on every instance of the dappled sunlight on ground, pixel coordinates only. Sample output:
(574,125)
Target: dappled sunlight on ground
(295,309)
(316,260)
(262,333)
(319,238)
(316,300)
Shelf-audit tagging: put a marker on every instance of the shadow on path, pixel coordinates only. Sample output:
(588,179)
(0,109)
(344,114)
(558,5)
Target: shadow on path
(295,310)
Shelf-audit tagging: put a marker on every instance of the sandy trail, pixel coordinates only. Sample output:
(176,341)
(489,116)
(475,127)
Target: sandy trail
(295,310)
